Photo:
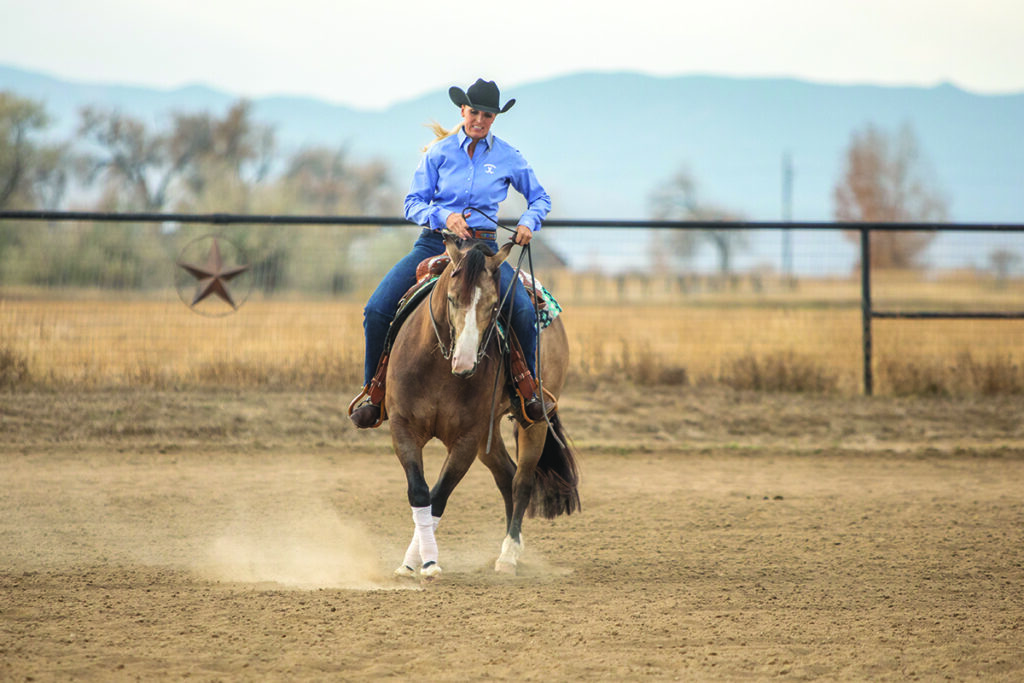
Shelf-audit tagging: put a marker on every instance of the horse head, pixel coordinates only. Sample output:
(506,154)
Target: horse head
(472,300)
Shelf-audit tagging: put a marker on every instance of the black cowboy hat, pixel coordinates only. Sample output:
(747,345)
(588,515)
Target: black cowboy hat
(482,95)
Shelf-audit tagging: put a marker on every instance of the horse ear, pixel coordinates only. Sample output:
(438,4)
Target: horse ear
(499,258)
(451,246)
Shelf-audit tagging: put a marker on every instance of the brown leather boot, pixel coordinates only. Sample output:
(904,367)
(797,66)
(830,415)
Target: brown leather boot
(366,416)
(536,409)
(365,409)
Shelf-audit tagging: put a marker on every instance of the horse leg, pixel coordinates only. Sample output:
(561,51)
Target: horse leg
(423,547)
(529,444)
(503,469)
(410,454)
(413,558)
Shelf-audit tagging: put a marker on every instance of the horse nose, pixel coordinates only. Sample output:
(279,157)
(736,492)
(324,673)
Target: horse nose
(463,371)
(464,357)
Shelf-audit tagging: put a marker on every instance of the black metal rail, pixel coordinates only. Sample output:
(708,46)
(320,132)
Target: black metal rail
(868,314)
(285,219)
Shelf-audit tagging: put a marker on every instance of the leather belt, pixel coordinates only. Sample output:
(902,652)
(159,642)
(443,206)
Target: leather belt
(490,235)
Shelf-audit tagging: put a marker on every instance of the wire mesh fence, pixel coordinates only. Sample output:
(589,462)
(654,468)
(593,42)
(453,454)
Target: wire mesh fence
(90,303)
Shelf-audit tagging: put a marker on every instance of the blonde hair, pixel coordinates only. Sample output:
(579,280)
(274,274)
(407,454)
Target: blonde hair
(440,133)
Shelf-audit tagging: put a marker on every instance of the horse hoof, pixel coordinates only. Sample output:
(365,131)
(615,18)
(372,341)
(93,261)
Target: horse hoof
(507,568)
(511,551)
(430,571)
(405,572)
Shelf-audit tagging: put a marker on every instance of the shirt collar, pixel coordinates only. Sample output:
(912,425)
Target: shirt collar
(465,139)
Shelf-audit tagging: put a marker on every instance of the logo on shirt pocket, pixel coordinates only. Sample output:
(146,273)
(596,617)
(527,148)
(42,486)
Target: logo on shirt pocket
(489,169)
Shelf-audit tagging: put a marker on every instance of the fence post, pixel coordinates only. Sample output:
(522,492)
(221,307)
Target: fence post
(865,306)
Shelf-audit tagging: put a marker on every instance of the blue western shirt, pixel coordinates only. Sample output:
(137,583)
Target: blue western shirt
(449,181)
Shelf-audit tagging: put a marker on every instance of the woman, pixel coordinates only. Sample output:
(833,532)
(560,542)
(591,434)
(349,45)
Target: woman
(461,179)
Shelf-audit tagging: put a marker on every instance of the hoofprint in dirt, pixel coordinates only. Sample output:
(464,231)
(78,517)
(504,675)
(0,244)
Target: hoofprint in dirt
(252,536)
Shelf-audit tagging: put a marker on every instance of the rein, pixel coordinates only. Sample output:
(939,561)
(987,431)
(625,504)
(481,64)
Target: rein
(526,253)
(446,353)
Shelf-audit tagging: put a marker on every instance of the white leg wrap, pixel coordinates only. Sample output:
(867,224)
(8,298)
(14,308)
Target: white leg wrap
(510,554)
(425,530)
(412,554)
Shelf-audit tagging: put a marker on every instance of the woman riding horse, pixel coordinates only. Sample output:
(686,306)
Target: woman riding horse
(461,179)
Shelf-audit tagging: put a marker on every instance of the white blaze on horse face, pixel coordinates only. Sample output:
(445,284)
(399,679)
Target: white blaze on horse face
(468,341)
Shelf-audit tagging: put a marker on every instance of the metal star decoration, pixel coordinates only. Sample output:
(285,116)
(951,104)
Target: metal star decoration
(213,276)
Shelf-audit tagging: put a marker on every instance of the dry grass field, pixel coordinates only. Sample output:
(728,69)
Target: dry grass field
(776,338)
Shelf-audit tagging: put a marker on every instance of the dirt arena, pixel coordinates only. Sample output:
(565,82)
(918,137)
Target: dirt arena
(723,536)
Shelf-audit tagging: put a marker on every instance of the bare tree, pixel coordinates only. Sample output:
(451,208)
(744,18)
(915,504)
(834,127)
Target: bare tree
(318,179)
(131,160)
(241,155)
(244,144)
(324,180)
(50,175)
(197,155)
(1003,263)
(884,180)
(190,139)
(677,200)
(32,173)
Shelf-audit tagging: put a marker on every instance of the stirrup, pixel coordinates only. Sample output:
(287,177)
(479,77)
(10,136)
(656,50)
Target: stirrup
(548,400)
(363,399)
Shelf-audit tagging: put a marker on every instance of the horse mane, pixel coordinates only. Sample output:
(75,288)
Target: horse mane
(474,262)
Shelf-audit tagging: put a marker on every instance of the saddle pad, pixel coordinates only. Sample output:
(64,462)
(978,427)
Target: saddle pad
(548,308)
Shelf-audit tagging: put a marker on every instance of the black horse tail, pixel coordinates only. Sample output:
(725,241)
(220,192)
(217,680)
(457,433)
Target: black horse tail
(556,481)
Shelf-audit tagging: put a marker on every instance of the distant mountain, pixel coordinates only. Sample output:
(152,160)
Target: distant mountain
(601,142)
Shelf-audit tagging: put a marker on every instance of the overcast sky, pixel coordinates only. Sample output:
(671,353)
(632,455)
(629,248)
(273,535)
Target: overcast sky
(372,53)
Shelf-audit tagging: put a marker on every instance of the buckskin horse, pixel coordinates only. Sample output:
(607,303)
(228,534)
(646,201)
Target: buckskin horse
(445,367)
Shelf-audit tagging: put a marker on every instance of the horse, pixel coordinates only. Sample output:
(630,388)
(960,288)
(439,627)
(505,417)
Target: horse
(445,367)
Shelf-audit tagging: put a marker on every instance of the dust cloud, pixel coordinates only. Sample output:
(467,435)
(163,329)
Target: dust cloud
(309,548)
(221,524)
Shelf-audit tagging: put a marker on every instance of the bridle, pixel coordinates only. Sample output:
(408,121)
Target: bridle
(447,351)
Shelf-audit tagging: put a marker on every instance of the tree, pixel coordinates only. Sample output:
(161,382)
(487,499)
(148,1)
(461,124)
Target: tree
(32,174)
(1003,263)
(324,181)
(235,154)
(246,146)
(884,180)
(677,200)
(128,158)
(199,155)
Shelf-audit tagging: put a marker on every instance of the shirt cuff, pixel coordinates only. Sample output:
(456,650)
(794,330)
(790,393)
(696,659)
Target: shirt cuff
(530,221)
(437,220)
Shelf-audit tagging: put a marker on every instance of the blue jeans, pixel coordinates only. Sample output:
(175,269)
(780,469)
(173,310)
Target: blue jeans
(380,309)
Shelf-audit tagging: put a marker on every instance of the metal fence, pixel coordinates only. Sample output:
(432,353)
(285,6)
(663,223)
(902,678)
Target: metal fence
(868,311)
